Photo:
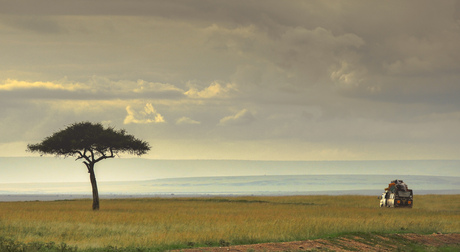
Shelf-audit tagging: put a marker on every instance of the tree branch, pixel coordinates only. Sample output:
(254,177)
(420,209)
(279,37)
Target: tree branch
(80,155)
(104,155)
(87,166)
(92,155)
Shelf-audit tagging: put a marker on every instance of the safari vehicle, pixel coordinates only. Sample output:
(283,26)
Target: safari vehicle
(397,194)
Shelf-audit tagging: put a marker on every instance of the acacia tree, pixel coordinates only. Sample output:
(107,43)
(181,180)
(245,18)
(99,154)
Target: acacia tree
(90,143)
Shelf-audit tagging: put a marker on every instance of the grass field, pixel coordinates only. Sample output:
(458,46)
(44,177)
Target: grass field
(167,223)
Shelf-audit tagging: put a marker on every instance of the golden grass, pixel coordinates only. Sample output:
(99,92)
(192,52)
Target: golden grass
(160,222)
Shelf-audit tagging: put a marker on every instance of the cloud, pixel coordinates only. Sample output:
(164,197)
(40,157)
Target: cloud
(320,38)
(214,90)
(147,115)
(241,118)
(37,24)
(128,89)
(203,59)
(10,85)
(17,91)
(348,76)
(186,120)
(147,87)
(95,88)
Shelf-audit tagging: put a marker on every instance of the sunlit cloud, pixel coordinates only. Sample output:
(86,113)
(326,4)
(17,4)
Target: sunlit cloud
(186,120)
(347,75)
(214,90)
(240,118)
(147,115)
(10,85)
(145,86)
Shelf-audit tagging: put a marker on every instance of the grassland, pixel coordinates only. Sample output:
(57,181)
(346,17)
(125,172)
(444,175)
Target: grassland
(167,223)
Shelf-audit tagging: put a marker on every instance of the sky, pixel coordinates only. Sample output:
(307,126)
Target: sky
(249,80)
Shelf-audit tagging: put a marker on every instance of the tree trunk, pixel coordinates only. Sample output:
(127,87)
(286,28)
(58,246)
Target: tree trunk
(92,177)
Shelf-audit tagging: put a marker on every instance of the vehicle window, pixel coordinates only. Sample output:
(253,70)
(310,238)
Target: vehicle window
(403,194)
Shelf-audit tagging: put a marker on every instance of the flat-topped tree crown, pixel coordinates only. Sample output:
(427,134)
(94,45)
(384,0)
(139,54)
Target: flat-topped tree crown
(80,139)
(92,143)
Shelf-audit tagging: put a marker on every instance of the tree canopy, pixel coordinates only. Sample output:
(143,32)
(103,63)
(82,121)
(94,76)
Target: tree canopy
(86,139)
(92,143)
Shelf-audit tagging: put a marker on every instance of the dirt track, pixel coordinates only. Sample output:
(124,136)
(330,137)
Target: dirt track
(346,243)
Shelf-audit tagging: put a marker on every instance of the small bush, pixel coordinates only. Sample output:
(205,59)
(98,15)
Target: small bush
(224,243)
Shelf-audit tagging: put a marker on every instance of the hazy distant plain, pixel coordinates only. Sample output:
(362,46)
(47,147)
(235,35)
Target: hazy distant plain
(241,185)
(143,177)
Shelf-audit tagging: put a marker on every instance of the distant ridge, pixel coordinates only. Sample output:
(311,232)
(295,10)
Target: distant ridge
(246,185)
(50,169)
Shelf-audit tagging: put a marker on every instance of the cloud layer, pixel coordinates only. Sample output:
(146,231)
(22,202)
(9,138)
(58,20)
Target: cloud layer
(221,79)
